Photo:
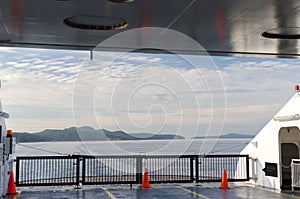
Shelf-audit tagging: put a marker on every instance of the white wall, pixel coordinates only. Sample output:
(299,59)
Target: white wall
(265,146)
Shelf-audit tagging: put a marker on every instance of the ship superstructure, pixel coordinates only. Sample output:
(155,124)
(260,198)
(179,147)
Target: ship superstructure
(275,146)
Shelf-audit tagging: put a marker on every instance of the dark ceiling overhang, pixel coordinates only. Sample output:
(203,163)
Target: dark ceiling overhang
(256,28)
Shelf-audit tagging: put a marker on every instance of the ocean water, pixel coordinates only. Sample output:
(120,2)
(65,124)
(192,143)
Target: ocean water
(147,147)
(119,166)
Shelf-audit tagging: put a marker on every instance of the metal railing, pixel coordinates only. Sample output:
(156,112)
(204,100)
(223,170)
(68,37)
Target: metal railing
(295,172)
(109,170)
(47,170)
(169,169)
(129,169)
(210,168)
(76,169)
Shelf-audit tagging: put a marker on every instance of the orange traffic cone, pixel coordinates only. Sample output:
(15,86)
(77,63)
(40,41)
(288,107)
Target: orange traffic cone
(145,182)
(11,189)
(224,182)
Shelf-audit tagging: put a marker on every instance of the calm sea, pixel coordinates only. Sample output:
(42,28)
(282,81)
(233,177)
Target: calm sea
(149,147)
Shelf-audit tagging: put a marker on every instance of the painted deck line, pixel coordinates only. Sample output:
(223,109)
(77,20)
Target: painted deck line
(244,191)
(109,193)
(192,192)
(282,193)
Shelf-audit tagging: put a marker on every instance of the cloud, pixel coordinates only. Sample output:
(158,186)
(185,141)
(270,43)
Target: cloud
(38,66)
(256,90)
(11,63)
(39,85)
(21,65)
(7,50)
(134,90)
(125,93)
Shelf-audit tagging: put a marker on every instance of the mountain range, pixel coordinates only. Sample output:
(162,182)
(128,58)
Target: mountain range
(86,133)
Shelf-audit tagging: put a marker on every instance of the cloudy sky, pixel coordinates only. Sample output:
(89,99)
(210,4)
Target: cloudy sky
(137,92)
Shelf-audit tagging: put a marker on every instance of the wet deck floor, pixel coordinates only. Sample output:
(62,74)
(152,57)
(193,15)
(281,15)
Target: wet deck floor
(163,191)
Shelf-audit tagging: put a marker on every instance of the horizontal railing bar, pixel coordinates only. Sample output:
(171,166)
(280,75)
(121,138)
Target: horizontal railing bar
(139,156)
(225,155)
(128,156)
(44,157)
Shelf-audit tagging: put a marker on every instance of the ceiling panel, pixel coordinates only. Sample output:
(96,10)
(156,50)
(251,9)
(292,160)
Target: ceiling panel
(232,27)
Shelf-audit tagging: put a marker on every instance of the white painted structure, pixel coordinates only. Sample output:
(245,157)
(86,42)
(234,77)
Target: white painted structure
(276,145)
(6,159)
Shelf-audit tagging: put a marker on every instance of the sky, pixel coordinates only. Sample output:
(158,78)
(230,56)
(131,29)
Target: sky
(186,95)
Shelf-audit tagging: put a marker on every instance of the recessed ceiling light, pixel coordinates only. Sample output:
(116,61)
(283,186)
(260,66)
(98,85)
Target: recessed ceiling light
(95,22)
(283,33)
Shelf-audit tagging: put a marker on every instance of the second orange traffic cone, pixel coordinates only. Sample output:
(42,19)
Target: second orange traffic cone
(145,182)
(224,182)
(11,189)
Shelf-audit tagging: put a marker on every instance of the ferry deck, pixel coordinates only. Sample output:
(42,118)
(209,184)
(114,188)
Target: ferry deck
(166,191)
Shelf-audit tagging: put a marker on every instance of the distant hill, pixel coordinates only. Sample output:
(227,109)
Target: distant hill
(86,133)
(227,136)
(142,136)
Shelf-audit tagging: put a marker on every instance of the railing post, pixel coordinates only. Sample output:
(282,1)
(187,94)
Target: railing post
(247,167)
(292,174)
(17,171)
(139,169)
(197,168)
(78,160)
(192,168)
